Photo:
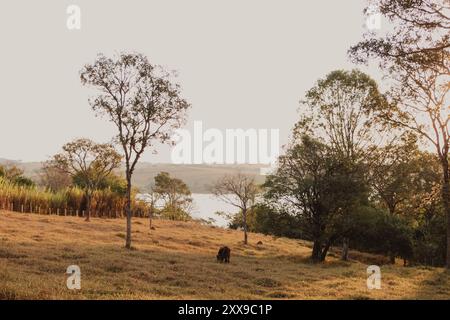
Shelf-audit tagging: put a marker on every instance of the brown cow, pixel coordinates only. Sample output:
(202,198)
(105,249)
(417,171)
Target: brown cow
(224,254)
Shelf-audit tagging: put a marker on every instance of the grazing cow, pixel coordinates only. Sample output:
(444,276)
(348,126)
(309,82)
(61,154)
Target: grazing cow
(224,254)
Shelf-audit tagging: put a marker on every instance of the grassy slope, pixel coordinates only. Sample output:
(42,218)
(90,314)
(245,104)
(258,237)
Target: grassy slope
(177,260)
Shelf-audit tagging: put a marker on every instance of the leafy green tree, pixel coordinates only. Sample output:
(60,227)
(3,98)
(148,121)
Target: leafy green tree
(263,218)
(429,215)
(88,163)
(176,196)
(142,101)
(392,173)
(320,189)
(15,175)
(416,55)
(115,183)
(430,233)
(339,111)
(380,232)
(405,184)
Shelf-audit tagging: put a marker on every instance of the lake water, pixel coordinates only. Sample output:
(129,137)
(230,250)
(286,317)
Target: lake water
(205,206)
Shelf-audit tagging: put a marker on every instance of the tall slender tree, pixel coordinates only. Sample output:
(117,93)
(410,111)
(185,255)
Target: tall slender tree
(240,191)
(339,111)
(319,189)
(141,100)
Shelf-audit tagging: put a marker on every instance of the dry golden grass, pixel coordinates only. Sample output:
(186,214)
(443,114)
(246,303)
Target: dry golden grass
(177,261)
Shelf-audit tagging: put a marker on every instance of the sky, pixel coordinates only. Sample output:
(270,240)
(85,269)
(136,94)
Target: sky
(241,63)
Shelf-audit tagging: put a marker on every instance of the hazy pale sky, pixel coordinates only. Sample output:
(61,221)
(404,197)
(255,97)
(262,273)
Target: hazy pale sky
(241,63)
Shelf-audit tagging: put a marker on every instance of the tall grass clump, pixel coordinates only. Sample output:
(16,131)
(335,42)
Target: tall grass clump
(69,201)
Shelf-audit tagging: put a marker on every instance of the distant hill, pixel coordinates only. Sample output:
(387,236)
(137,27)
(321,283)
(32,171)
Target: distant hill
(199,177)
(31,169)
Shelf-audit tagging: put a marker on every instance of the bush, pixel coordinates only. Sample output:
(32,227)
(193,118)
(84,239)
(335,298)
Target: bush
(264,219)
(377,231)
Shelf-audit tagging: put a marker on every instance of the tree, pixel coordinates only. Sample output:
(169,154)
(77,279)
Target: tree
(175,194)
(240,191)
(115,183)
(425,209)
(380,232)
(54,178)
(430,233)
(419,35)
(339,110)
(392,173)
(264,218)
(416,55)
(15,175)
(151,199)
(141,100)
(88,163)
(320,189)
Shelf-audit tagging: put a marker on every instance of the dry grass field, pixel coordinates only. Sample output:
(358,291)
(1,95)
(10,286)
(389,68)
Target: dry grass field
(177,261)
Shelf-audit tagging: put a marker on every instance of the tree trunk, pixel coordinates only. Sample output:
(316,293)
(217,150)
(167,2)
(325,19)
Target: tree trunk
(446,204)
(128,213)
(392,258)
(317,247)
(150,216)
(345,245)
(324,252)
(244,213)
(88,207)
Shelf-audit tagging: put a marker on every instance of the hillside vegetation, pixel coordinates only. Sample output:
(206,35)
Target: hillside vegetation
(197,176)
(176,260)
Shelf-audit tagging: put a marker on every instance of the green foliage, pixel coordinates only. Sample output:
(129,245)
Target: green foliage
(24,181)
(320,189)
(377,231)
(174,213)
(88,163)
(176,197)
(15,175)
(267,220)
(338,111)
(415,54)
(113,182)
(430,240)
